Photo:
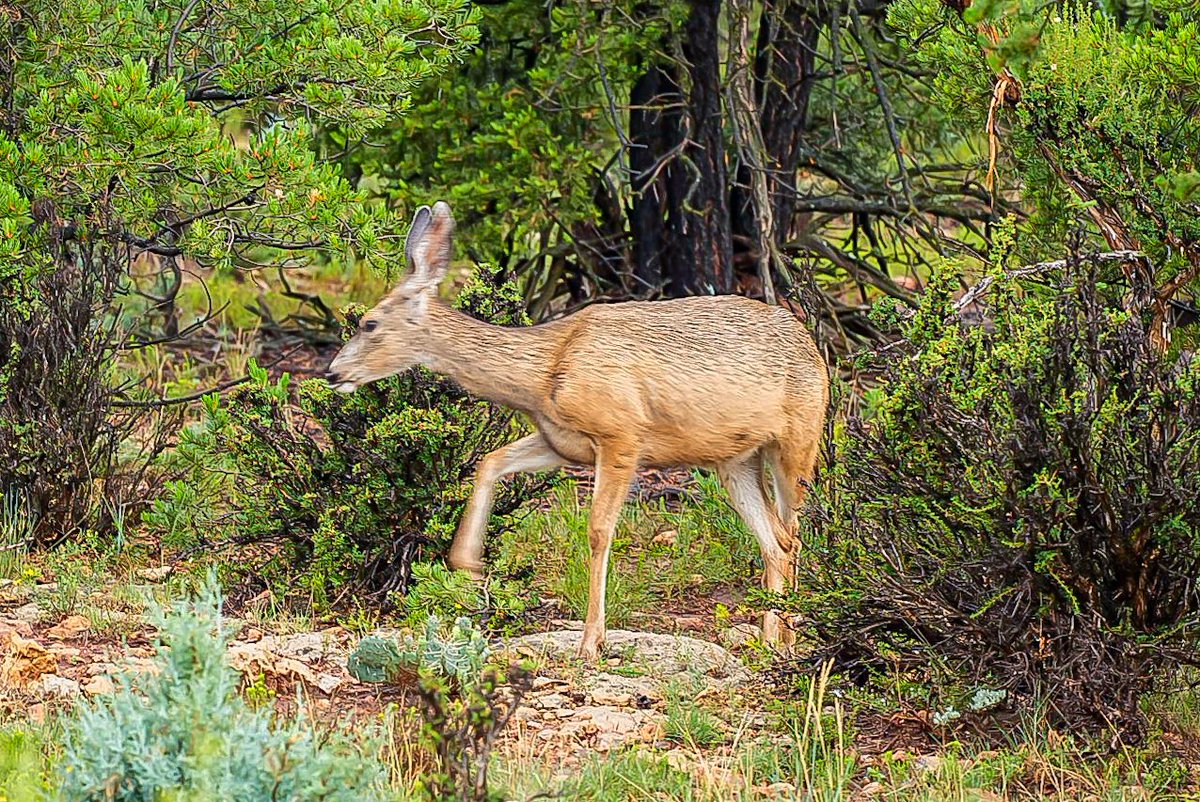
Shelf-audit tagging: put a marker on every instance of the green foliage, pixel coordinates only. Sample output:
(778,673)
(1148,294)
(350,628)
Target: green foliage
(185,733)
(464,703)
(516,143)
(1019,497)
(500,603)
(24,775)
(350,488)
(688,723)
(1105,121)
(659,554)
(134,100)
(185,130)
(458,653)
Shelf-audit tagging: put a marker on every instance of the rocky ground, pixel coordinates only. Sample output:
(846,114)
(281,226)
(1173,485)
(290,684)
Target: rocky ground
(571,712)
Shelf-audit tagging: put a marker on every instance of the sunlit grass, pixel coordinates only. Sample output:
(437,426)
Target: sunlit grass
(657,555)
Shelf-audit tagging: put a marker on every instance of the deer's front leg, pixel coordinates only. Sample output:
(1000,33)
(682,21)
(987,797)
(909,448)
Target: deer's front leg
(614,472)
(531,453)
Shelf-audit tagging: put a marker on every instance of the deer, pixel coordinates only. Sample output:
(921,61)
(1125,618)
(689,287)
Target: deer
(724,383)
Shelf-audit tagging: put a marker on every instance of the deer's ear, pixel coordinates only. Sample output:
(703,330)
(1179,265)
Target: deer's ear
(428,247)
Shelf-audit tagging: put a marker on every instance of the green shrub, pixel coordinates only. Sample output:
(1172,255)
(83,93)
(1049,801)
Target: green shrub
(184,733)
(499,605)
(109,151)
(348,490)
(464,703)
(458,653)
(1021,508)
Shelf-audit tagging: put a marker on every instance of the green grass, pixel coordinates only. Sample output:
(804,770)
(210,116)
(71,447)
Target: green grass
(16,532)
(703,546)
(26,755)
(688,723)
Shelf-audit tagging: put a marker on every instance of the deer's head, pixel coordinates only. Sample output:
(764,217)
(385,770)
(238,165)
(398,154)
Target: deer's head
(394,335)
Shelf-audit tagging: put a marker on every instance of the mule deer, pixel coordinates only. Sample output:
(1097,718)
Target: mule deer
(722,382)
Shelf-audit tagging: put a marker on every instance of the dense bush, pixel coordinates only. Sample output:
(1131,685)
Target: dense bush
(1019,505)
(181,131)
(59,435)
(347,489)
(184,733)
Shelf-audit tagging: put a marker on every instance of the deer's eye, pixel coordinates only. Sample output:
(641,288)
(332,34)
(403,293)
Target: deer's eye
(371,325)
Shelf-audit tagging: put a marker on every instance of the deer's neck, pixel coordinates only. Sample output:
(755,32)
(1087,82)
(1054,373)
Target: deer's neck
(505,365)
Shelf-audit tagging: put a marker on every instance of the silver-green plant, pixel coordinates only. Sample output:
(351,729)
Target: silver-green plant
(458,652)
(186,734)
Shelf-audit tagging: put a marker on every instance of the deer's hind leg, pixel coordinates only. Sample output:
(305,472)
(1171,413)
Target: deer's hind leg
(530,453)
(745,483)
(791,471)
(615,468)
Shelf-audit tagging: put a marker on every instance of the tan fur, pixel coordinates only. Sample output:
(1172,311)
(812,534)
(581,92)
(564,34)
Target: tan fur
(721,382)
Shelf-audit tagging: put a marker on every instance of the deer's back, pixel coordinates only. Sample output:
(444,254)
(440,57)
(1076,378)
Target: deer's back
(695,380)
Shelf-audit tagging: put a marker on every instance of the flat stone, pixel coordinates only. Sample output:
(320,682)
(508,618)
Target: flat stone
(305,646)
(664,655)
(29,613)
(98,685)
(613,698)
(10,627)
(552,701)
(156,574)
(61,687)
(541,683)
(69,628)
(328,683)
(27,661)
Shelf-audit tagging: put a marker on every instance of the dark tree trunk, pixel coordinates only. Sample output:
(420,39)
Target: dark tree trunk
(788,35)
(700,253)
(655,129)
(679,217)
(684,216)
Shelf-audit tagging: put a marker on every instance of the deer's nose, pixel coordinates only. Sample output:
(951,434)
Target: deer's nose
(332,377)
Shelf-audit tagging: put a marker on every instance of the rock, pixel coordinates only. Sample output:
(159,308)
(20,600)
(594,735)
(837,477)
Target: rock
(69,653)
(304,646)
(36,713)
(69,628)
(739,635)
(10,627)
(328,683)
(156,574)
(252,635)
(667,537)
(98,685)
(551,701)
(541,683)
(29,613)
(664,655)
(608,720)
(928,763)
(94,669)
(141,665)
(609,696)
(60,687)
(26,662)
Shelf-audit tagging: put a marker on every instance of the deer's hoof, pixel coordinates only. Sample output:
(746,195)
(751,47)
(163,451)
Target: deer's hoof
(589,649)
